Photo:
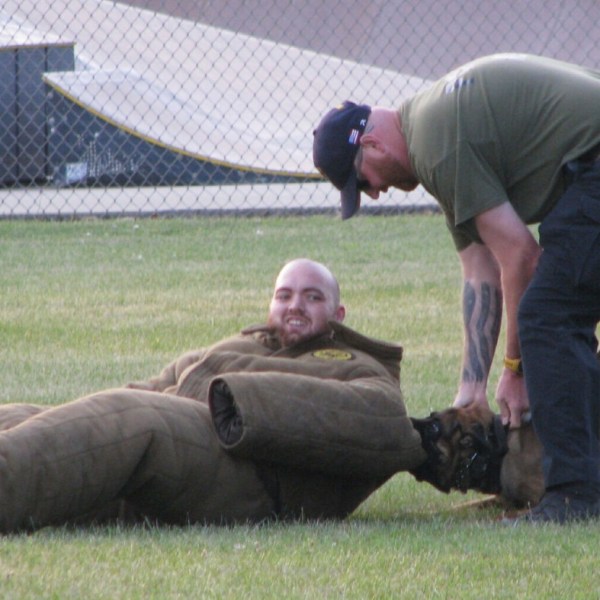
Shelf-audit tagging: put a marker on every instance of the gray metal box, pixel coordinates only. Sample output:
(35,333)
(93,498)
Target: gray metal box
(23,107)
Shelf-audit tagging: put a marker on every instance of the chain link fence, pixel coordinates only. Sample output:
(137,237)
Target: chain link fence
(145,107)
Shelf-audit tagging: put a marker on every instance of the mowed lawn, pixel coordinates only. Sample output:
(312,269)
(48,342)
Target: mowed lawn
(92,304)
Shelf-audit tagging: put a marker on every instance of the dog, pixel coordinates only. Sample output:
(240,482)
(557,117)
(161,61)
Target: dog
(469,449)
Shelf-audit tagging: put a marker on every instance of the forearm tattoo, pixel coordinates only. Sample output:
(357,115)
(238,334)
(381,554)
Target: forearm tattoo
(482,316)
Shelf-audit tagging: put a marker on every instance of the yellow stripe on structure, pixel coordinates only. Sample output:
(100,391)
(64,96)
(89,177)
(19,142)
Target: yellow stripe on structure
(155,141)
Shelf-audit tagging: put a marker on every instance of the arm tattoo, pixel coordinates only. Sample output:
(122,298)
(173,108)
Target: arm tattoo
(482,318)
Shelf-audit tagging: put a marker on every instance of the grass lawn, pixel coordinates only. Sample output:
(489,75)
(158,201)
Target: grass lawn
(93,304)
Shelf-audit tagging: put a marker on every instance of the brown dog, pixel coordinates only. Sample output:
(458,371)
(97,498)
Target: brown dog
(469,449)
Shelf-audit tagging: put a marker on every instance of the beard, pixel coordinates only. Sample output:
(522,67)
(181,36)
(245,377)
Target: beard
(391,170)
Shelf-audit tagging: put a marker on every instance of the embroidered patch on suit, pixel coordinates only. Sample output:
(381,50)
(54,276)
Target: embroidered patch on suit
(332,354)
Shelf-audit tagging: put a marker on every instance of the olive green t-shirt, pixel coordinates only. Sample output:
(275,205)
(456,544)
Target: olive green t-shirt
(500,129)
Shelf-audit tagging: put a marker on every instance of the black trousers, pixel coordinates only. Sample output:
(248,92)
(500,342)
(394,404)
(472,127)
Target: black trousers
(558,316)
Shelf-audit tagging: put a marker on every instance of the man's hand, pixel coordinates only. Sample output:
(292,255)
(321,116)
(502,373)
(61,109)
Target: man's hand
(511,397)
(471,395)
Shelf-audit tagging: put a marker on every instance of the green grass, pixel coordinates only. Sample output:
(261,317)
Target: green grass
(93,304)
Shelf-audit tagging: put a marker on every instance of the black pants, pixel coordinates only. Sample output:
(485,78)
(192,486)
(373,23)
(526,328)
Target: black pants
(558,316)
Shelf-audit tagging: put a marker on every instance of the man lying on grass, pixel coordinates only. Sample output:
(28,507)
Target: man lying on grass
(299,418)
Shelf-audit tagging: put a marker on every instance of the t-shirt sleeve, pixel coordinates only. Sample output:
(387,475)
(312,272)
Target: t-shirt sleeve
(478,182)
(467,183)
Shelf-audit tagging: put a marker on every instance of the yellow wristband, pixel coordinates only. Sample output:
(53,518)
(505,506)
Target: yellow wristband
(514,364)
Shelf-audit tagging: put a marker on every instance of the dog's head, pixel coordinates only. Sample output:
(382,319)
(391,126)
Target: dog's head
(469,449)
(465,448)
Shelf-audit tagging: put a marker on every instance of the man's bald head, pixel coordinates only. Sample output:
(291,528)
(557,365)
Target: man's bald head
(306,297)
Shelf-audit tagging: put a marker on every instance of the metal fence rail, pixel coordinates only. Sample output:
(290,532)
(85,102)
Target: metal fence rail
(162,106)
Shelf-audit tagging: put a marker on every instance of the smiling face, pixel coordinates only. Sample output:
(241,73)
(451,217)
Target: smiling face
(305,298)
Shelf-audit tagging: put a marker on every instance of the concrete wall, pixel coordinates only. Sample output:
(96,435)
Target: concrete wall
(417,37)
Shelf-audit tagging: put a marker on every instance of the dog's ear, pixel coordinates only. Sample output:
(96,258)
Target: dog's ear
(521,475)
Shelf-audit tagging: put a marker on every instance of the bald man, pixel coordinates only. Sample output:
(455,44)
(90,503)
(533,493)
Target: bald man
(299,418)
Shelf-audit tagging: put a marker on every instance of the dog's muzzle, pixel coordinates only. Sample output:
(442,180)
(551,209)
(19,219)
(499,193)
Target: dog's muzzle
(461,460)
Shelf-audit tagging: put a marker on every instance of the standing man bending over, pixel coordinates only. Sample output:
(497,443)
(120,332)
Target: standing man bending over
(503,142)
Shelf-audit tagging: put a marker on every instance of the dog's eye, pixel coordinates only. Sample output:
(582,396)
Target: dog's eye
(466,442)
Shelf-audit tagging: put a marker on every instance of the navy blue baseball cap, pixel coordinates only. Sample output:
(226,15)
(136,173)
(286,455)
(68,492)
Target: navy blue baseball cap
(335,145)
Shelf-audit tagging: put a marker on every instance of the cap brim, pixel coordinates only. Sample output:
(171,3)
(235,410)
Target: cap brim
(350,197)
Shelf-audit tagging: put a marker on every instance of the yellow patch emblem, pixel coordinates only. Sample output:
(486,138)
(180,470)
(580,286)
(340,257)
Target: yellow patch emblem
(332,354)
